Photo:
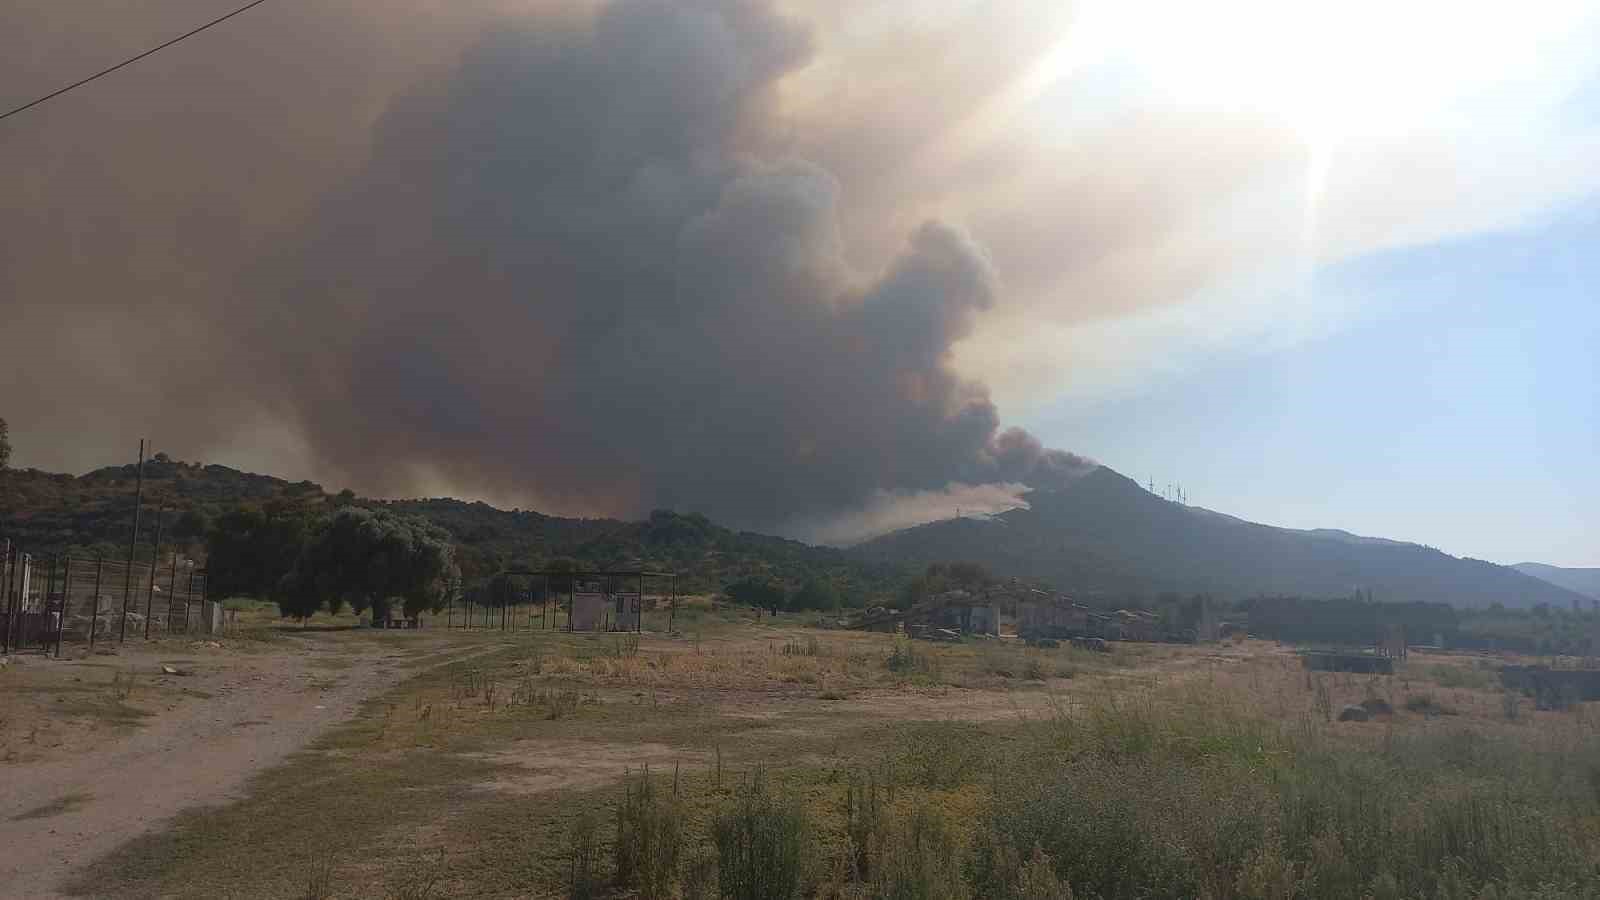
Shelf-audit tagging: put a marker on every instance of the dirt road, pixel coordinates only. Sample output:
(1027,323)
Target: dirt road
(252,710)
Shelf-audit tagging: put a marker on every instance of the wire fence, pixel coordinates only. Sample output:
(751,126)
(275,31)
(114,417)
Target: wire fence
(50,602)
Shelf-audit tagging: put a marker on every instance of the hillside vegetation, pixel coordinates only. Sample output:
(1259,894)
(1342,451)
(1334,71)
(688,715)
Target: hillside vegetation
(51,513)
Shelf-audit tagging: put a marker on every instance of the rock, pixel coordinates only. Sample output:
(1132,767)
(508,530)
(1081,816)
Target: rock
(1377,706)
(1354,713)
(174,670)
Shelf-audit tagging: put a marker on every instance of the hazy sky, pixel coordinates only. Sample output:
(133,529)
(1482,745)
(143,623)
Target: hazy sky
(1326,265)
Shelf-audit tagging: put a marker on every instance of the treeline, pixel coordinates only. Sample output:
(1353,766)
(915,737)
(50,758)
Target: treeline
(1360,621)
(366,559)
(1346,620)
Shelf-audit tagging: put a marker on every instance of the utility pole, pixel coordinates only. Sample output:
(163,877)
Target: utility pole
(133,543)
(155,558)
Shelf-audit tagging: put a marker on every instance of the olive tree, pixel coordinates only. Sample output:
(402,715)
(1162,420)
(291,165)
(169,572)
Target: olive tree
(369,559)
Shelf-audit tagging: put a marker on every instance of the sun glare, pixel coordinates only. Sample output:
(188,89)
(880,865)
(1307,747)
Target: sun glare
(1330,70)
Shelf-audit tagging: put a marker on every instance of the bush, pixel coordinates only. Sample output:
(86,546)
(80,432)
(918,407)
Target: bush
(583,880)
(649,837)
(906,659)
(941,756)
(761,843)
(920,859)
(700,876)
(864,815)
(1425,705)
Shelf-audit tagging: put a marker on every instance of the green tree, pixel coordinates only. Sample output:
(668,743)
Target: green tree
(560,584)
(816,594)
(5,444)
(758,591)
(191,524)
(369,559)
(250,549)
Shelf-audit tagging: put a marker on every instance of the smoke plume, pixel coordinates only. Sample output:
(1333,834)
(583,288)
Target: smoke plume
(584,270)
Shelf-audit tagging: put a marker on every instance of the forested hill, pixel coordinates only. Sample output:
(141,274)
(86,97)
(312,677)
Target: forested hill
(706,554)
(47,513)
(1106,534)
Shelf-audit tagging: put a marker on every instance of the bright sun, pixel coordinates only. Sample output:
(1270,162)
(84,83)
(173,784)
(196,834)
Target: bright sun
(1330,69)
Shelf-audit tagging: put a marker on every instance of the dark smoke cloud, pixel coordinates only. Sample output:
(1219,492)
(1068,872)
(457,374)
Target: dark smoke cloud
(571,271)
(580,271)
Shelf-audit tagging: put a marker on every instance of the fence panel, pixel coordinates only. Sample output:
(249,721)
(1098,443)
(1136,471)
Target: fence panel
(53,602)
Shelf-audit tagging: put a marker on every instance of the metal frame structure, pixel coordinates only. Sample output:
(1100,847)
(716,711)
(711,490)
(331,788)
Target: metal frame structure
(507,620)
(42,594)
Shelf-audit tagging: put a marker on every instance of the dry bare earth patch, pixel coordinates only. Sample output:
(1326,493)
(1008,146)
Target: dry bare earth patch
(101,749)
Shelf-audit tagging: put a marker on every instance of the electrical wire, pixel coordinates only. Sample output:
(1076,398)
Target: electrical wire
(129,61)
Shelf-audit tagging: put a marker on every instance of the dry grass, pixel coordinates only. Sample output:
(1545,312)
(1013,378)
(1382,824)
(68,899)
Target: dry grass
(468,780)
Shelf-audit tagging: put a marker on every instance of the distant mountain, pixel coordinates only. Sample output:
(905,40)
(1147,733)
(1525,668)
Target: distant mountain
(1104,534)
(1583,581)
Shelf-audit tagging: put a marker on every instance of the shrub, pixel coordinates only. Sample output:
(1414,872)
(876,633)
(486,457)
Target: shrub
(906,659)
(700,876)
(920,859)
(1510,705)
(1033,878)
(864,821)
(319,883)
(1034,668)
(649,837)
(940,756)
(583,881)
(1425,705)
(761,843)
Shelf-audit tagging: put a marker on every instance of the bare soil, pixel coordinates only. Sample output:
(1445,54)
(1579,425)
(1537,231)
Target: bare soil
(80,781)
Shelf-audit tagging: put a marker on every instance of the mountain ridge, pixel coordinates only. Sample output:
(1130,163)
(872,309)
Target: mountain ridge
(1100,534)
(1584,581)
(1104,534)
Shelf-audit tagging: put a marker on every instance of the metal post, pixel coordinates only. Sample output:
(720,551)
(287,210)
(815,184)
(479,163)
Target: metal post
(94,614)
(10,588)
(5,584)
(188,597)
(638,625)
(172,589)
(155,559)
(49,588)
(66,597)
(672,616)
(133,542)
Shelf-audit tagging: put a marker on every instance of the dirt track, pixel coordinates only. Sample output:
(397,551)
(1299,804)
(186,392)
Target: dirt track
(260,709)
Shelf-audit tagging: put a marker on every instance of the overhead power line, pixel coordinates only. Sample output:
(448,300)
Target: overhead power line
(129,61)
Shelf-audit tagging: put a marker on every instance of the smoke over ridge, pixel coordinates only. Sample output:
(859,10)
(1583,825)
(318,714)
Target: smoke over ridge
(585,270)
